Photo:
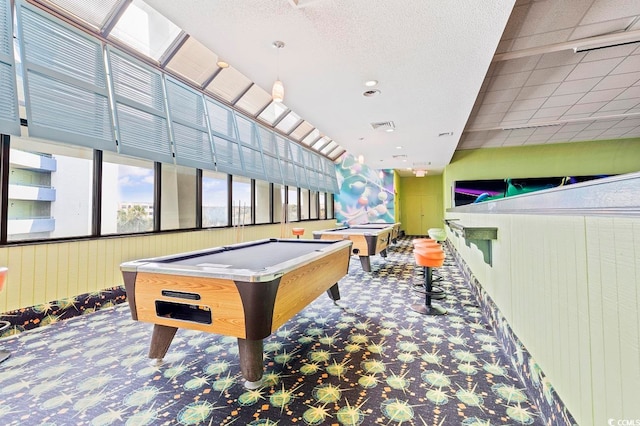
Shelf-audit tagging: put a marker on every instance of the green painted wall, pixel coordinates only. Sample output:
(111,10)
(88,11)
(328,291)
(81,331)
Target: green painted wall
(420,201)
(568,159)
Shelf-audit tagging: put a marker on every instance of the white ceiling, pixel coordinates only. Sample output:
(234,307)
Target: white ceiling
(430,58)
(539,91)
(453,75)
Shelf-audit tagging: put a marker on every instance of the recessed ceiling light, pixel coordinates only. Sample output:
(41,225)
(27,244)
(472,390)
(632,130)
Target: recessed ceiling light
(370,93)
(390,129)
(398,147)
(371,83)
(222,64)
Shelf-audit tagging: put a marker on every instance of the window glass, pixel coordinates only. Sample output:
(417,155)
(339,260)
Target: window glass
(127,194)
(178,202)
(330,207)
(323,211)
(263,208)
(278,203)
(304,204)
(50,190)
(215,203)
(145,30)
(313,202)
(292,204)
(241,209)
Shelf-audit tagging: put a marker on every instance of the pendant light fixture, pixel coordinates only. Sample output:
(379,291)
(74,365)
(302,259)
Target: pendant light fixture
(277,91)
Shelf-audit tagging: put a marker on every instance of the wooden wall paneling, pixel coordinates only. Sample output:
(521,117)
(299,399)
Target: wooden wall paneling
(50,277)
(27,275)
(596,231)
(95,265)
(62,271)
(628,280)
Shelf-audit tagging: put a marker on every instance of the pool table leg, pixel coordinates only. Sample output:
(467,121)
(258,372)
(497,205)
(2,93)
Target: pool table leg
(161,340)
(366,263)
(251,362)
(334,292)
(383,253)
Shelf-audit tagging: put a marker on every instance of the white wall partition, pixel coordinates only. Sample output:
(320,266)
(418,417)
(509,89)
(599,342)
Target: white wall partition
(565,273)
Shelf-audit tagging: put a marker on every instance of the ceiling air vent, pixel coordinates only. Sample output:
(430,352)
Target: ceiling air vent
(383,125)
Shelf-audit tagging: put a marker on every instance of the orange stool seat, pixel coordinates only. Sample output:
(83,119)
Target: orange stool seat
(428,258)
(297,232)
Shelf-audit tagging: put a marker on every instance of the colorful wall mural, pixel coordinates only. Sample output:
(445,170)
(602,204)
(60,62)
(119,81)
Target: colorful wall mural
(366,194)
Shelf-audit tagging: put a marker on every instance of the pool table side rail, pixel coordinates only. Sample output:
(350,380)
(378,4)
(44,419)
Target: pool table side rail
(240,308)
(159,265)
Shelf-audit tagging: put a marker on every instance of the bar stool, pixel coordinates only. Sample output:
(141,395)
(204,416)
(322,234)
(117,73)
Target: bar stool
(429,243)
(428,258)
(297,232)
(4,324)
(437,234)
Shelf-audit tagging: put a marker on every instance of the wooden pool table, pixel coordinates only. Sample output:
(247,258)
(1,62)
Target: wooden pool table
(244,290)
(395,231)
(366,242)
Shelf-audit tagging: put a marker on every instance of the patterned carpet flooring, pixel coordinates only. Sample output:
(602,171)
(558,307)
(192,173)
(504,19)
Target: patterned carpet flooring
(368,360)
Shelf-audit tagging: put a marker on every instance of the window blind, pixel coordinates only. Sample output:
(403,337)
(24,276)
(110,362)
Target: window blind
(9,113)
(226,149)
(286,161)
(191,139)
(251,148)
(65,82)
(142,127)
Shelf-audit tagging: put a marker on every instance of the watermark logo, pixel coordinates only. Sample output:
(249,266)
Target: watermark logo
(623,422)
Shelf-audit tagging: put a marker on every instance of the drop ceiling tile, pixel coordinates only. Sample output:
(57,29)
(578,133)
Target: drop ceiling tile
(540,91)
(547,16)
(575,127)
(514,124)
(563,100)
(551,113)
(598,28)
(508,81)
(518,115)
(608,53)
(500,107)
(550,75)
(500,96)
(585,108)
(603,124)
(621,104)
(618,81)
(594,69)
(517,18)
(588,134)
(630,122)
(561,137)
(527,104)
(543,39)
(600,96)
(488,120)
(546,130)
(608,10)
(515,141)
(554,59)
(517,65)
(631,92)
(630,64)
(527,131)
(576,86)
(613,133)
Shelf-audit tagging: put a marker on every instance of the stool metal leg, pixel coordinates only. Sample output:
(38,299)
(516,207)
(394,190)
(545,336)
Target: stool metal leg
(428,308)
(4,354)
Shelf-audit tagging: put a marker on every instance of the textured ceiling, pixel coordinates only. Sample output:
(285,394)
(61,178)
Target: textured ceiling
(539,91)
(430,59)
(452,75)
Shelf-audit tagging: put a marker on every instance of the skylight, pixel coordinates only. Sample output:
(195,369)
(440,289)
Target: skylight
(145,30)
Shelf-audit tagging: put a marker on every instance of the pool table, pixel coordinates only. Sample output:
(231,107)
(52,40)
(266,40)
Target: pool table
(245,290)
(366,242)
(395,231)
